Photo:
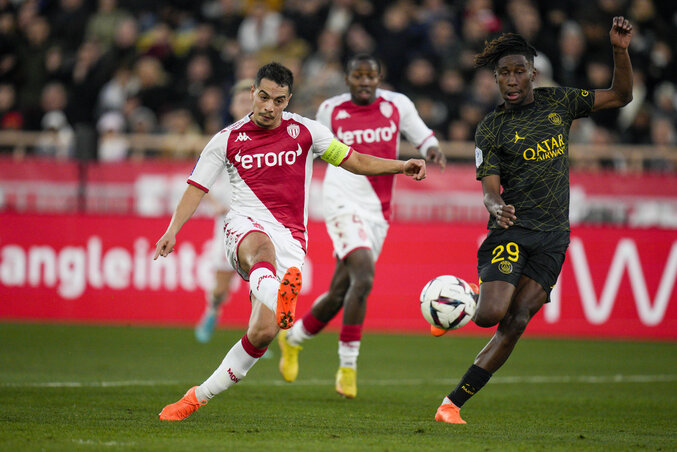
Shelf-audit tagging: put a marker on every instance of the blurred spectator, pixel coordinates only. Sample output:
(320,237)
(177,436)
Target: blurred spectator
(445,47)
(87,79)
(9,44)
(639,131)
(102,26)
(259,28)
(32,53)
(57,139)
(357,40)
(459,130)
(309,17)
(198,75)
(114,93)
(11,117)
(224,15)
(68,23)
(663,136)
(184,140)
(113,145)
(157,43)
(209,112)
(288,45)
(393,43)
(570,66)
(665,101)
(122,52)
(154,91)
(208,44)
(141,121)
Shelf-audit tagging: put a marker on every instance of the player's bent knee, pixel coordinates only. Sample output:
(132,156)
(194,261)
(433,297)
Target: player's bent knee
(363,285)
(261,336)
(488,314)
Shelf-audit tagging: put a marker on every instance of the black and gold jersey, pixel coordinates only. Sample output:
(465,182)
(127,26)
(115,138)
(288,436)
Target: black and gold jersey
(528,148)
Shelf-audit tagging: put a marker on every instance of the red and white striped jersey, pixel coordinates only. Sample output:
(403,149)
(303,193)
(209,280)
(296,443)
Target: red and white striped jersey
(269,169)
(371,129)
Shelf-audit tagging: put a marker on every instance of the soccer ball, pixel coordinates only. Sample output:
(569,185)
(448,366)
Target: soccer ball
(447,302)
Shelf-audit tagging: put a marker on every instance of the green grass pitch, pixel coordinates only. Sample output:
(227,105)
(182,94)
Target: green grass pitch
(95,388)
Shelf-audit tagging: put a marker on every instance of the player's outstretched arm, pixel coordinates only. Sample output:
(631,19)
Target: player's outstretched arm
(184,210)
(504,214)
(620,93)
(368,165)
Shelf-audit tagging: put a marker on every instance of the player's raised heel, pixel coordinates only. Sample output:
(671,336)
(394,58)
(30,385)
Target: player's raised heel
(183,408)
(346,382)
(289,359)
(448,412)
(286,297)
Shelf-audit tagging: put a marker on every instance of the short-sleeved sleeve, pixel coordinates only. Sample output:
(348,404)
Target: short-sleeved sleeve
(579,101)
(325,145)
(487,159)
(211,163)
(412,126)
(324,114)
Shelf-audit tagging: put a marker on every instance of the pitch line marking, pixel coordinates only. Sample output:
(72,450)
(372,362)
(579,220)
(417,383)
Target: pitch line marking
(534,379)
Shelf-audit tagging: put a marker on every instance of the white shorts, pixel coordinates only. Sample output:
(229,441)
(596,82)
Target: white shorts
(288,250)
(350,231)
(219,259)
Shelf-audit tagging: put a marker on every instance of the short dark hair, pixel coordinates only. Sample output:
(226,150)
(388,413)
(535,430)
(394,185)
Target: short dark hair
(359,57)
(277,73)
(506,44)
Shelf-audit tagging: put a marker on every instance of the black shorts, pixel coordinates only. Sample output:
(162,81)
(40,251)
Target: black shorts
(507,254)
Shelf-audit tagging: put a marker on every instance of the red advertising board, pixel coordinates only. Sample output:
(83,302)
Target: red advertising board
(616,282)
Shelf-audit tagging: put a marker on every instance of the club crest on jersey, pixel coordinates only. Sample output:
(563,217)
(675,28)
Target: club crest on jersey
(386,109)
(555,118)
(242,137)
(293,130)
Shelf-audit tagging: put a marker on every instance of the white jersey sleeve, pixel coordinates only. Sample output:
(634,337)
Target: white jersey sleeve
(411,125)
(211,163)
(324,113)
(325,145)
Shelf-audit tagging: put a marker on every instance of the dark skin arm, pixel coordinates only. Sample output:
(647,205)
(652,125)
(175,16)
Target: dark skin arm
(504,214)
(620,93)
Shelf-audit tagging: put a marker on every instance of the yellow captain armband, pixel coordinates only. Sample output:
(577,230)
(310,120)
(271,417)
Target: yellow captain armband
(335,153)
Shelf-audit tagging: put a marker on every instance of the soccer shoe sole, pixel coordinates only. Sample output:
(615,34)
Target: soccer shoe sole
(346,382)
(286,297)
(183,408)
(289,361)
(449,413)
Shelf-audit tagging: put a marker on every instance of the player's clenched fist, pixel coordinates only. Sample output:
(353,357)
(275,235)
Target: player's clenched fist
(414,168)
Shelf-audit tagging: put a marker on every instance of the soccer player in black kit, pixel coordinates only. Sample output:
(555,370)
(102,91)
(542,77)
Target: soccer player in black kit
(522,146)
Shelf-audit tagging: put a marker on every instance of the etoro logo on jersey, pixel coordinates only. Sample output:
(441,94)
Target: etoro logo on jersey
(360,136)
(269,159)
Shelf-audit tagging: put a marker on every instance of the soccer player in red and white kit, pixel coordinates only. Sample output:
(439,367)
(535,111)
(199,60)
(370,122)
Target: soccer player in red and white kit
(357,210)
(268,156)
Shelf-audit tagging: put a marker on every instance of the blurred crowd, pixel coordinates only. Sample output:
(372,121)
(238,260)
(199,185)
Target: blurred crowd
(94,71)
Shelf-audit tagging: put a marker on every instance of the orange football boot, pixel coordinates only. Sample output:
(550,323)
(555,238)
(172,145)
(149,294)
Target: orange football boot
(183,408)
(437,332)
(448,412)
(286,297)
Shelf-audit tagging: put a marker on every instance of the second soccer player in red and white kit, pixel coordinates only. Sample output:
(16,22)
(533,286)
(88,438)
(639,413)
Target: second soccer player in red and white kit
(268,156)
(357,210)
